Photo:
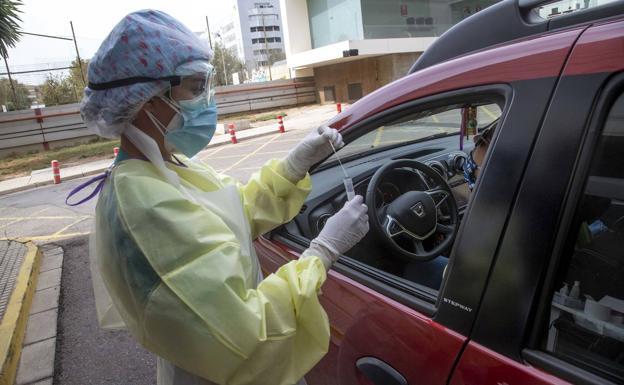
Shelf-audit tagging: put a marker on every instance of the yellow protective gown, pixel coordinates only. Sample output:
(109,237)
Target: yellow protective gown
(186,284)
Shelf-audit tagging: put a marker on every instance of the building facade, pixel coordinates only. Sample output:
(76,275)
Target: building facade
(353,47)
(254,31)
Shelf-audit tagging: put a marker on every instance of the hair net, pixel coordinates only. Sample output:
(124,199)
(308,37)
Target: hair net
(146,43)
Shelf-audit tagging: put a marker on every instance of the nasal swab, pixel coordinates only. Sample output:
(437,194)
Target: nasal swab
(348,182)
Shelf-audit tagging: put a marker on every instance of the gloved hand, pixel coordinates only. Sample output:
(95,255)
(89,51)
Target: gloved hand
(311,150)
(341,232)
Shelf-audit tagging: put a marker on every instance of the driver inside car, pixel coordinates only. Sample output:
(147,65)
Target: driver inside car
(431,273)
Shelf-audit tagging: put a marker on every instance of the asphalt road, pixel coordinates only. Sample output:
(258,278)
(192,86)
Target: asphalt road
(86,354)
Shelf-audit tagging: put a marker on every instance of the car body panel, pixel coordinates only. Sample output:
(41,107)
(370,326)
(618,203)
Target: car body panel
(419,348)
(482,366)
(598,50)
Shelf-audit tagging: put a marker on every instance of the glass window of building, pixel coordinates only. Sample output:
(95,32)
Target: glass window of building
(332,21)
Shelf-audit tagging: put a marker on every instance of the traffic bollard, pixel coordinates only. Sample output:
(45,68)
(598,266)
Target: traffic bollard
(280,122)
(232,133)
(56,171)
(339,107)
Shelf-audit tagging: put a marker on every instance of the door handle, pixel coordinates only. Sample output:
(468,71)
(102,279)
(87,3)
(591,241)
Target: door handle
(378,372)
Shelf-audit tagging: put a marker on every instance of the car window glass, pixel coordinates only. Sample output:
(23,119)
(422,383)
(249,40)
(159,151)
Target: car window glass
(586,325)
(445,121)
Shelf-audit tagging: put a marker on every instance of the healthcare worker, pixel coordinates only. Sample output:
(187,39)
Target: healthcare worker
(174,238)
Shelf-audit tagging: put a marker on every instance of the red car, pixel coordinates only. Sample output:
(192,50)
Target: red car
(517,281)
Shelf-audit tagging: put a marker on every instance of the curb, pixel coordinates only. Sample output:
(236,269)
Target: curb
(13,326)
(97,171)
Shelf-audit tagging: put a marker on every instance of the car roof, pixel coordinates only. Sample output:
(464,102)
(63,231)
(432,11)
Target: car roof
(531,58)
(505,22)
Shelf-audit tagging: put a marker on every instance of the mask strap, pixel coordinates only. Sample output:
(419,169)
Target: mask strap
(161,127)
(171,104)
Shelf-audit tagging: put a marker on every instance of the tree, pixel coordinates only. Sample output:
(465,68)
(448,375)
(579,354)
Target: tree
(6,95)
(58,90)
(9,27)
(276,55)
(76,78)
(232,63)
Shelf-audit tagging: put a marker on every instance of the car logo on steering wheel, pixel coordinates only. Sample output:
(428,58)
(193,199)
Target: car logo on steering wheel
(419,210)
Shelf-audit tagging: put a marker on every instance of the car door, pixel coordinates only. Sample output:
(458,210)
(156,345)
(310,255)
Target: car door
(531,328)
(382,332)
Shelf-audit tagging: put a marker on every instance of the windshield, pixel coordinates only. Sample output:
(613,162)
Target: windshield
(442,121)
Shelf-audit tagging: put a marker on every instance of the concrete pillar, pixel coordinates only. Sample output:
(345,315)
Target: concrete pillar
(296,32)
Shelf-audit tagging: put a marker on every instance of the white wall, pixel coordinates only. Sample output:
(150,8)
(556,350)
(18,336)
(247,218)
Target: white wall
(296,26)
(296,31)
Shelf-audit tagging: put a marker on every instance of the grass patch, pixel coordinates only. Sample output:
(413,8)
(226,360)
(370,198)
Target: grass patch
(262,118)
(252,117)
(24,164)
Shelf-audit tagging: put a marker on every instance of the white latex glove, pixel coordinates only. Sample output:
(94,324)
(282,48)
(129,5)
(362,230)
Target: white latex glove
(341,232)
(311,150)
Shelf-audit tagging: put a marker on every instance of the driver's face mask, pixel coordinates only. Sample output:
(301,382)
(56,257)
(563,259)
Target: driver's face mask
(470,166)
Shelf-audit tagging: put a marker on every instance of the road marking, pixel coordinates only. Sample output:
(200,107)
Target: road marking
(435,118)
(47,237)
(252,153)
(380,131)
(70,225)
(24,218)
(42,218)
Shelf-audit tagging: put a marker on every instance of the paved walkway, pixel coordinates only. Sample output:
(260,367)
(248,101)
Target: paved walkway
(300,118)
(36,365)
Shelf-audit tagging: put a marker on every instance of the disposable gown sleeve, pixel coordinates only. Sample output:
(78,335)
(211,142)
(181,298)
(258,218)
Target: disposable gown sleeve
(205,316)
(270,199)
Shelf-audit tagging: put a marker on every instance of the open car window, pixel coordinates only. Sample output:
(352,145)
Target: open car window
(431,138)
(419,126)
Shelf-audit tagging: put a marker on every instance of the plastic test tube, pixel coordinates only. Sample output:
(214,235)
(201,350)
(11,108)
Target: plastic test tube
(348,183)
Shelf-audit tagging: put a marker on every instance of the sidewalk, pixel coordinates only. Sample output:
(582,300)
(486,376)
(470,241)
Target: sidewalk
(302,118)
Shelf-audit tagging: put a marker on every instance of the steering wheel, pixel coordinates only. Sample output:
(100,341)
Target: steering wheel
(412,225)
